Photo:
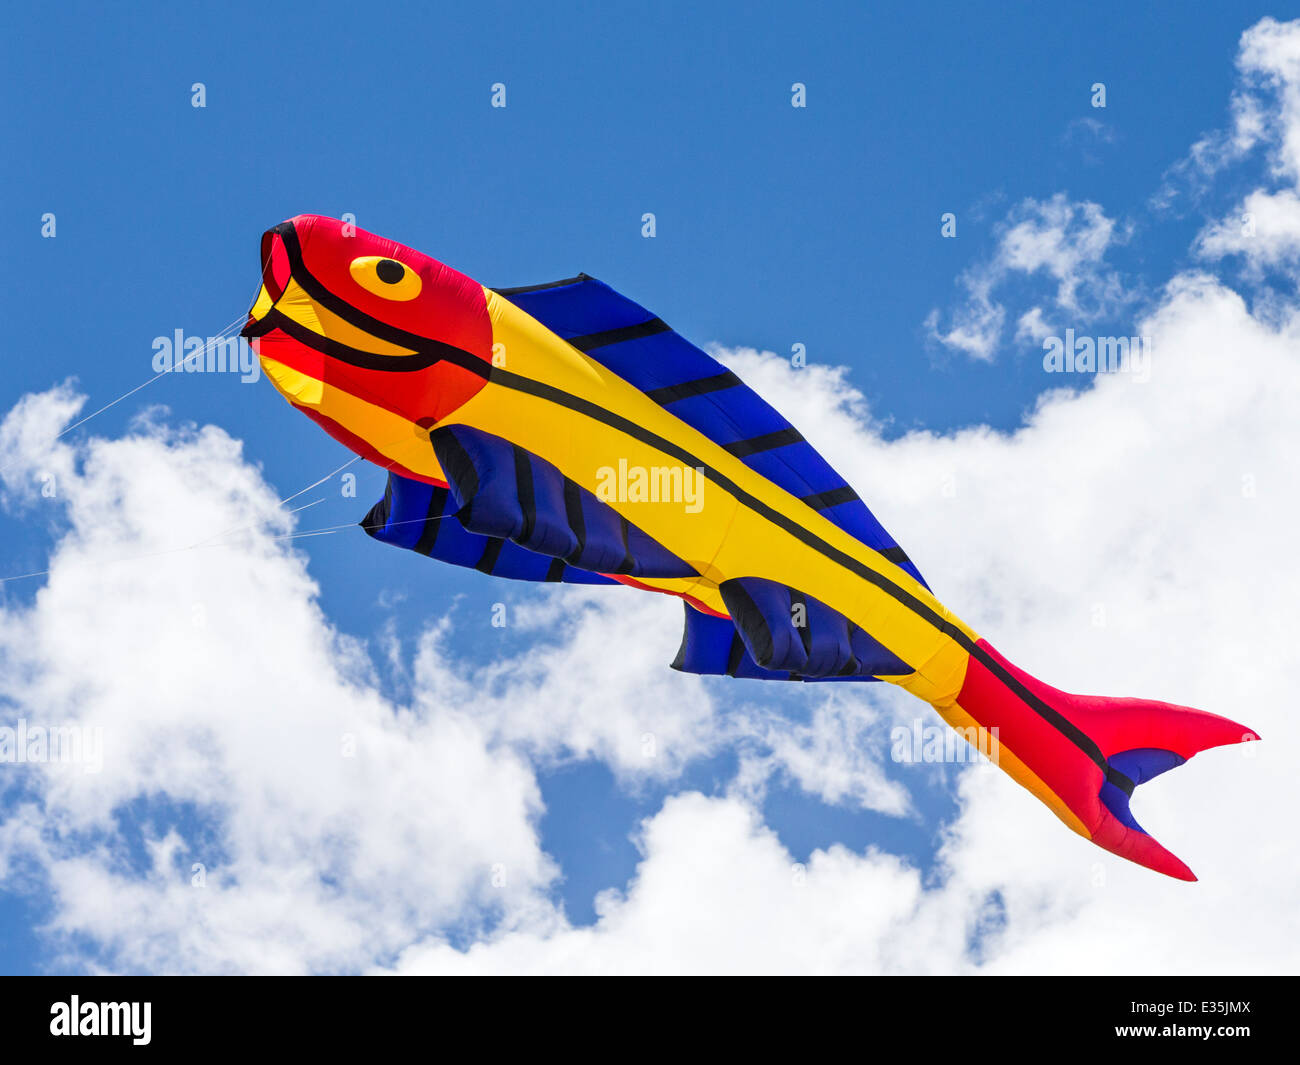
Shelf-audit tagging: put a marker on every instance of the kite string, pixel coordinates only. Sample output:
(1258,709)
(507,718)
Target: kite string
(296,494)
(206,541)
(339,528)
(280,503)
(212,341)
(326,531)
(225,334)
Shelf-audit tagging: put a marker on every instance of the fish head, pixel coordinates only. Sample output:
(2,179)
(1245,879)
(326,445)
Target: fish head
(373,340)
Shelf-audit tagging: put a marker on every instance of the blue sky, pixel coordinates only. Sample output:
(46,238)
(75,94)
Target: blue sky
(775,226)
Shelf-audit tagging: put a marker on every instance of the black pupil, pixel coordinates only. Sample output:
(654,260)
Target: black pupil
(390,271)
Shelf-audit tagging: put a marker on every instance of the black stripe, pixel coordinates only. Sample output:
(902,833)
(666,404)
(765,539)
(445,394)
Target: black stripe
(521,289)
(455,463)
(555,572)
(746,616)
(428,350)
(680,660)
(261,327)
(432,522)
(592,341)
(797,600)
(367,360)
(672,393)
(629,563)
(832,498)
(524,493)
(735,654)
(1114,776)
(577,521)
(896,555)
(744,448)
(490,554)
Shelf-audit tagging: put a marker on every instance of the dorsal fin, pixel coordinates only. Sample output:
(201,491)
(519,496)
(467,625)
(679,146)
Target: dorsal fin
(643,350)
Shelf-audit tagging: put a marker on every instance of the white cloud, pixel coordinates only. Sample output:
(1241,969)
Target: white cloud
(1269,61)
(1264,230)
(976,326)
(1265,114)
(31,430)
(334,824)
(594,683)
(717,893)
(1064,240)
(838,756)
(219,685)
(1033,327)
(1060,239)
(1264,227)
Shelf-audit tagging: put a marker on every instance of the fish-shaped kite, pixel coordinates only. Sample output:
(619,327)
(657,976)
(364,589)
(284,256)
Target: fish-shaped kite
(561,432)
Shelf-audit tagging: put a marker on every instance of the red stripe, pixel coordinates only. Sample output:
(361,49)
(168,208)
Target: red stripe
(1043,748)
(632,582)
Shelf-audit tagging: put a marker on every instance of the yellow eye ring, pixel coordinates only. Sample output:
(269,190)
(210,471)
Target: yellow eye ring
(385,277)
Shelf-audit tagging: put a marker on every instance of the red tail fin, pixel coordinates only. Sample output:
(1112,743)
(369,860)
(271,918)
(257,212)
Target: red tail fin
(1090,752)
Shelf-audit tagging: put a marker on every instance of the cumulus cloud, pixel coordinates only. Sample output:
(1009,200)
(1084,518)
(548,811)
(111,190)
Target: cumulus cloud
(625,708)
(1263,229)
(717,893)
(32,430)
(1264,117)
(304,821)
(1059,239)
(295,816)
(836,755)
(1033,327)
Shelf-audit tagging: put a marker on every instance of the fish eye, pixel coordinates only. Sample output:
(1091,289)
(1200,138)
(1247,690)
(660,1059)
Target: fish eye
(385,277)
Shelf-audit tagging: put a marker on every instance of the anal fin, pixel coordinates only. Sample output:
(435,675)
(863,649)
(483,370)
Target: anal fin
(775,632)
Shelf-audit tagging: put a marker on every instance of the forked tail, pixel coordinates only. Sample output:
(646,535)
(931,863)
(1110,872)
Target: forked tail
(1083,755)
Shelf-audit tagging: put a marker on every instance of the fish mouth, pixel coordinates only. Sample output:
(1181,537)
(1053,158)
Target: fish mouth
(275,276)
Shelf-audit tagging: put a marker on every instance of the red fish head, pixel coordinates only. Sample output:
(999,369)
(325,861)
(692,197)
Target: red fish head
(374,340)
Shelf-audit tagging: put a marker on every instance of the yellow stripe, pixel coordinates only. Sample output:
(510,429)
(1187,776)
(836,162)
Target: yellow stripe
(261,305)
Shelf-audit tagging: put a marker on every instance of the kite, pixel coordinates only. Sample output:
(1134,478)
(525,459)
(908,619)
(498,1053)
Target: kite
(561,432)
